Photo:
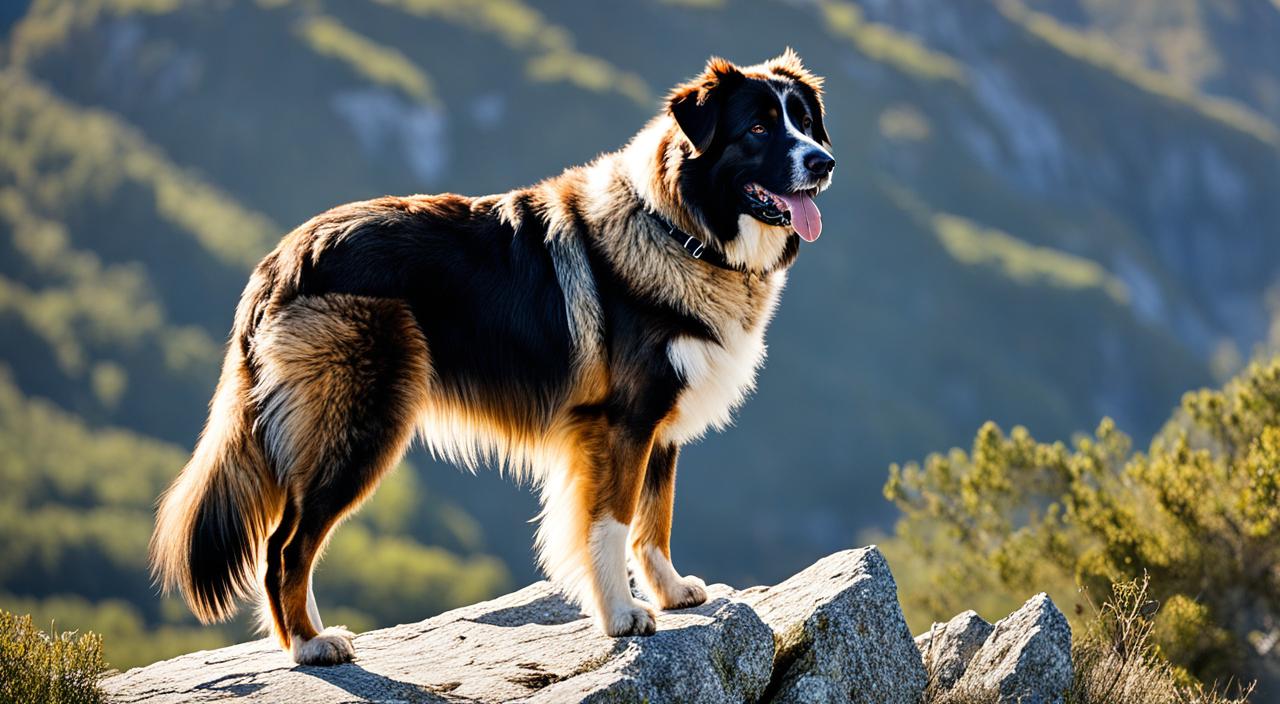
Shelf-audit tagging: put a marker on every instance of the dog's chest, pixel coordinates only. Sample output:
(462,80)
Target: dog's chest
(718,375)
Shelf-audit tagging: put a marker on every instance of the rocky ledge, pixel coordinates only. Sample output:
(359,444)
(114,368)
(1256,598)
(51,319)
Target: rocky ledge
(832,633)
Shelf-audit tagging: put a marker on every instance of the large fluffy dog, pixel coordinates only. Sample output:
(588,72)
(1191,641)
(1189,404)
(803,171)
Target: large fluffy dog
(577,332)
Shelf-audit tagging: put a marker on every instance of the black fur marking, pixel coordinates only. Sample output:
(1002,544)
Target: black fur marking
(485,296)
(662,467)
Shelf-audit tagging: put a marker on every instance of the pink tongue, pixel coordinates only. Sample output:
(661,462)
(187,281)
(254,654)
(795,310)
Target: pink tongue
(805,217)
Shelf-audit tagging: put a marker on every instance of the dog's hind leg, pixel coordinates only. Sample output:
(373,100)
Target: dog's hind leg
(343,380)
(588,506)
(651,534)
(272,617)
(311,644)
(272,613)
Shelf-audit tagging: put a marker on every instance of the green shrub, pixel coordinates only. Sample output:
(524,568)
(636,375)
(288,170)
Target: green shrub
(1199,512)
(38,667)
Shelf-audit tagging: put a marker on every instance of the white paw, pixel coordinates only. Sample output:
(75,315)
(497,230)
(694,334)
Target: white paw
(684,593)
(634,619)
(332,646)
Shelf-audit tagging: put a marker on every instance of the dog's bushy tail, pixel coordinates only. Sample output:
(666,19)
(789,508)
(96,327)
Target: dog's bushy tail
(213,521)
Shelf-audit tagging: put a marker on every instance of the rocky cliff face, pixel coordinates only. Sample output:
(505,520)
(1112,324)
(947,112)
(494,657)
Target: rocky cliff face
(832,633)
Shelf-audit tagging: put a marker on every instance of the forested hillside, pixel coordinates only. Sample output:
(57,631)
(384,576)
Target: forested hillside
(1045,212)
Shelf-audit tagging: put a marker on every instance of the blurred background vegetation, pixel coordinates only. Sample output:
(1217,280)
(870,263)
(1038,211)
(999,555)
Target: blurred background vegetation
(1048,212)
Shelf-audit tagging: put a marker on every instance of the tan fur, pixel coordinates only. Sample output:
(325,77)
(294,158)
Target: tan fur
(650,539)
(652,524)
(309,355)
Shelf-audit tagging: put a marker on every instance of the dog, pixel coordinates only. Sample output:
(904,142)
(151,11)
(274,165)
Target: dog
(576,333)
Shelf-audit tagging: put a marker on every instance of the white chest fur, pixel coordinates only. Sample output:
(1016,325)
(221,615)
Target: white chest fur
(718,375)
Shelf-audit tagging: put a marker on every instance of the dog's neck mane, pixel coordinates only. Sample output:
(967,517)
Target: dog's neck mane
(651,165)
(605,202)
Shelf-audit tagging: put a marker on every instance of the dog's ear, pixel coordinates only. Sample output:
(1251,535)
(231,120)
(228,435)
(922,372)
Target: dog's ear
(696,105)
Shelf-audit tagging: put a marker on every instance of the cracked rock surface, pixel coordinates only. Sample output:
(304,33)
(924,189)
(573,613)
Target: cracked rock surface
(531,645)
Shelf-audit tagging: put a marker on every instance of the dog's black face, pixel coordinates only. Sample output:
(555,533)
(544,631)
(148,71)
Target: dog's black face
(762,148)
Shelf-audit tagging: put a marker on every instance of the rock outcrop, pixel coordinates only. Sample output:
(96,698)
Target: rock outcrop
(832,633)
(840,634)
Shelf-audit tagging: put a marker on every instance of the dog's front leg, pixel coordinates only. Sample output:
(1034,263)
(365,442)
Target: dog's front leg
(618,476)
(651,534)
(588,510)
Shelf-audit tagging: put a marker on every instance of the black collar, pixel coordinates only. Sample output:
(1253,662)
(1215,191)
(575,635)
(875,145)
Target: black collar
(695,247)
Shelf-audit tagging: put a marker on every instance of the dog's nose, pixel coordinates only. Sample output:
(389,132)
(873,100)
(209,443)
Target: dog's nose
(819,163)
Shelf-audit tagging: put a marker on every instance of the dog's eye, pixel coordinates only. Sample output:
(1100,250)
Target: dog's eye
(806,122)
(758,129)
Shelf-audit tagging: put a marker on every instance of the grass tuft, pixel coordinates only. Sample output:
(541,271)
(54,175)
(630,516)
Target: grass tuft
(1117,660)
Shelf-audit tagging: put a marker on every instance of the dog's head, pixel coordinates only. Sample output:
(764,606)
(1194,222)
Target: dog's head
(759,145)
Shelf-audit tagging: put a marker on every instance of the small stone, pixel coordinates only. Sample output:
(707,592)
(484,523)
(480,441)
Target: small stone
(1025,660)
(948,647)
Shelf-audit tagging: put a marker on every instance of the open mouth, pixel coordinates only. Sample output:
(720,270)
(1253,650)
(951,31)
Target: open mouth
(794,209)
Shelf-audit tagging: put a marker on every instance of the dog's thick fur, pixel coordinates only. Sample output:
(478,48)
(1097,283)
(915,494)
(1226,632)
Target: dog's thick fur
(556,330)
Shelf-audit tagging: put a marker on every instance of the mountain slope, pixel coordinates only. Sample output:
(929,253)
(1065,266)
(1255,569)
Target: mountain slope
(1022,228)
